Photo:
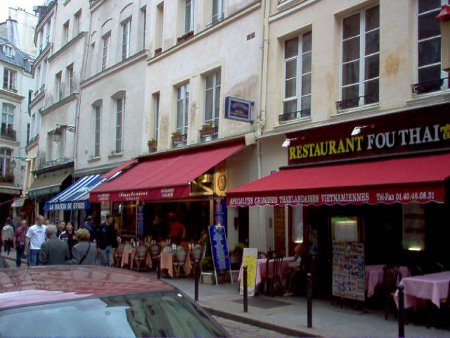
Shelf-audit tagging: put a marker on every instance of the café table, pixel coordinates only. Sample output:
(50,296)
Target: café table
(432,287)
(374,275)
(261,268)
(167,259)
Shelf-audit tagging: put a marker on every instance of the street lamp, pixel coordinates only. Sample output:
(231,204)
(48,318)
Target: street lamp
(57,133)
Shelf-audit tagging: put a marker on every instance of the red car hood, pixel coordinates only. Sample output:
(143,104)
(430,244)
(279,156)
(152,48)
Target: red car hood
(57,283)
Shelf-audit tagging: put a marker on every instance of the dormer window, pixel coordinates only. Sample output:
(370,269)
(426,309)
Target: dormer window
(9,51)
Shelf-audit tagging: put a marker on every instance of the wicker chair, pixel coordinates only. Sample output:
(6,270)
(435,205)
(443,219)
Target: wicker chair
(140,257)
(180,259)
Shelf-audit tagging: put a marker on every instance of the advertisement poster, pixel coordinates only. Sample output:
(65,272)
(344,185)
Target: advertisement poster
(219,249)
(249,259)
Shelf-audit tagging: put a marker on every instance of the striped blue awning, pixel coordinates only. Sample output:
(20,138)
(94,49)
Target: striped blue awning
(75,197)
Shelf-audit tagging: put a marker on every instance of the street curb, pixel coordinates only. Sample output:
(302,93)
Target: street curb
(264,325)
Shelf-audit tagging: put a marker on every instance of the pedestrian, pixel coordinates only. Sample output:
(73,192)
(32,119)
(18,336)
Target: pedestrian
(85,252)
(34,238)
(20,235)
(54,251)
(88,224)
(106,240)
(177,229)
(69,236)
(8,235)
(61,228)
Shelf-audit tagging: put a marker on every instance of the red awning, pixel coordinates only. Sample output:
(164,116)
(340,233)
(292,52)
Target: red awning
(163,178)
(401,180)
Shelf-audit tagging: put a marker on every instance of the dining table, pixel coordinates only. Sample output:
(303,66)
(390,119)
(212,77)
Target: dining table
(128,258)
(167,259)
(374,274)
(432,287)
(261,268)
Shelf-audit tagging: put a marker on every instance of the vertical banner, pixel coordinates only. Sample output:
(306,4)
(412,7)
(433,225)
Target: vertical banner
(249,259)
(140,221)
(219,249)
(220,211)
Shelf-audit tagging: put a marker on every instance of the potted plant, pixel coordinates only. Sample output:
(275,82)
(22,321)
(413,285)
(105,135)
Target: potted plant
(158,50)
(207,270)
(177,136)
(236,256)
(152,145)
(207,129)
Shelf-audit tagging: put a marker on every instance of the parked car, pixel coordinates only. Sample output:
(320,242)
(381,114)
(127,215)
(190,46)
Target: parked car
(94,301)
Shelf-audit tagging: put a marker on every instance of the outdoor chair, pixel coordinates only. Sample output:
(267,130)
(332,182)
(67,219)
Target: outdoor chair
(155,254)
(275,281)
(118,255)
(391,278)
(179,260)
(140,257)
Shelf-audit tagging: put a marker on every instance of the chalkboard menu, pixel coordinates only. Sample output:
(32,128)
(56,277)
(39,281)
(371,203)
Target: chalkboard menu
(219,247)
(348,270)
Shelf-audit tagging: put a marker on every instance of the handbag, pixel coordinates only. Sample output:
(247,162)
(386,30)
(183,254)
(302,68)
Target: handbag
(85,255)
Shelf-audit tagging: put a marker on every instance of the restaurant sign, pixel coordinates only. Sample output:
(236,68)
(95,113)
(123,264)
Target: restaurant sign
(73,205)
(238,109)
(412,131)
(355,196)
(154,194)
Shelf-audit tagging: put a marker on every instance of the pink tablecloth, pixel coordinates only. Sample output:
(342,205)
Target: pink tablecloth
(433,287)
(374,276)
(127,256)
(261,268)
(167,263)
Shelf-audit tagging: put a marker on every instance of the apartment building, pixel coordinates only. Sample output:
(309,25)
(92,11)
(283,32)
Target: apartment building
(15,67)
(354,134)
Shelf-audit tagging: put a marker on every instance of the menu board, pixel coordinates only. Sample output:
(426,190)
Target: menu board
(219,247)
(249,260)
(348,270)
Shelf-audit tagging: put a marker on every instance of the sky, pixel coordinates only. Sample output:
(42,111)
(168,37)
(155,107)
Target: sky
(26,4)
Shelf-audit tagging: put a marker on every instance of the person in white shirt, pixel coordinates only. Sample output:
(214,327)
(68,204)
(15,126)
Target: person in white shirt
(34,238)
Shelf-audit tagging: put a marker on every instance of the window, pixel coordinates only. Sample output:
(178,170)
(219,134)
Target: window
(297,77)
(28,132)
(9,51)
(5,161)
(38,78)
(217,10)
(182,108)
(8,111)
(69,79)
(126,30)
(97,121)
(155,115)
(120,111)
(47,33)
(212,98)
(360,58)
(58,87)
(76,23)
(159,22)
(44,72)
(105,54)
(65,33)
(9,79)
(188,16)
(144,25)
(40,40)
(430,76)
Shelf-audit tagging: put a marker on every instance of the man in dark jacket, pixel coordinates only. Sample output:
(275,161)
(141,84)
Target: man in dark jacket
(53,251)
(106,239)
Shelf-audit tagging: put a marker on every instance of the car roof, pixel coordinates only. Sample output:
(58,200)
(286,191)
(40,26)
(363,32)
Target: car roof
(45,284)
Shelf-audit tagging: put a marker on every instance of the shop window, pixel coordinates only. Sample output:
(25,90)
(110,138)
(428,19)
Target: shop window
(413,227)
(360,64)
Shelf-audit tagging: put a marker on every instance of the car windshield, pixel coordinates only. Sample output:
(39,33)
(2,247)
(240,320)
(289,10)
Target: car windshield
(159,314)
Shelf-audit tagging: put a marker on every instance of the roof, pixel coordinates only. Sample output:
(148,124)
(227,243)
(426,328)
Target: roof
(44,284)
(20,59)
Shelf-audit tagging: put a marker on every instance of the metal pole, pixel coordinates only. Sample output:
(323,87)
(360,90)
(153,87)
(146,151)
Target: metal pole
(196,279)
(309,298)
(401,312)
(245,289)
(158,267)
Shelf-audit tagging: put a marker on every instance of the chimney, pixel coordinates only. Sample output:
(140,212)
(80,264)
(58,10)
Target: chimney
(12,32)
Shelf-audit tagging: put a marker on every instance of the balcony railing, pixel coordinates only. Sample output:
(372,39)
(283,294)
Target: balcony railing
(294,115)
(8,132)
(429,86)
(357,101)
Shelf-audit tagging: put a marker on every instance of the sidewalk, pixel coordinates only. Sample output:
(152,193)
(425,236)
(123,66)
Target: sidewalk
(287,315)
